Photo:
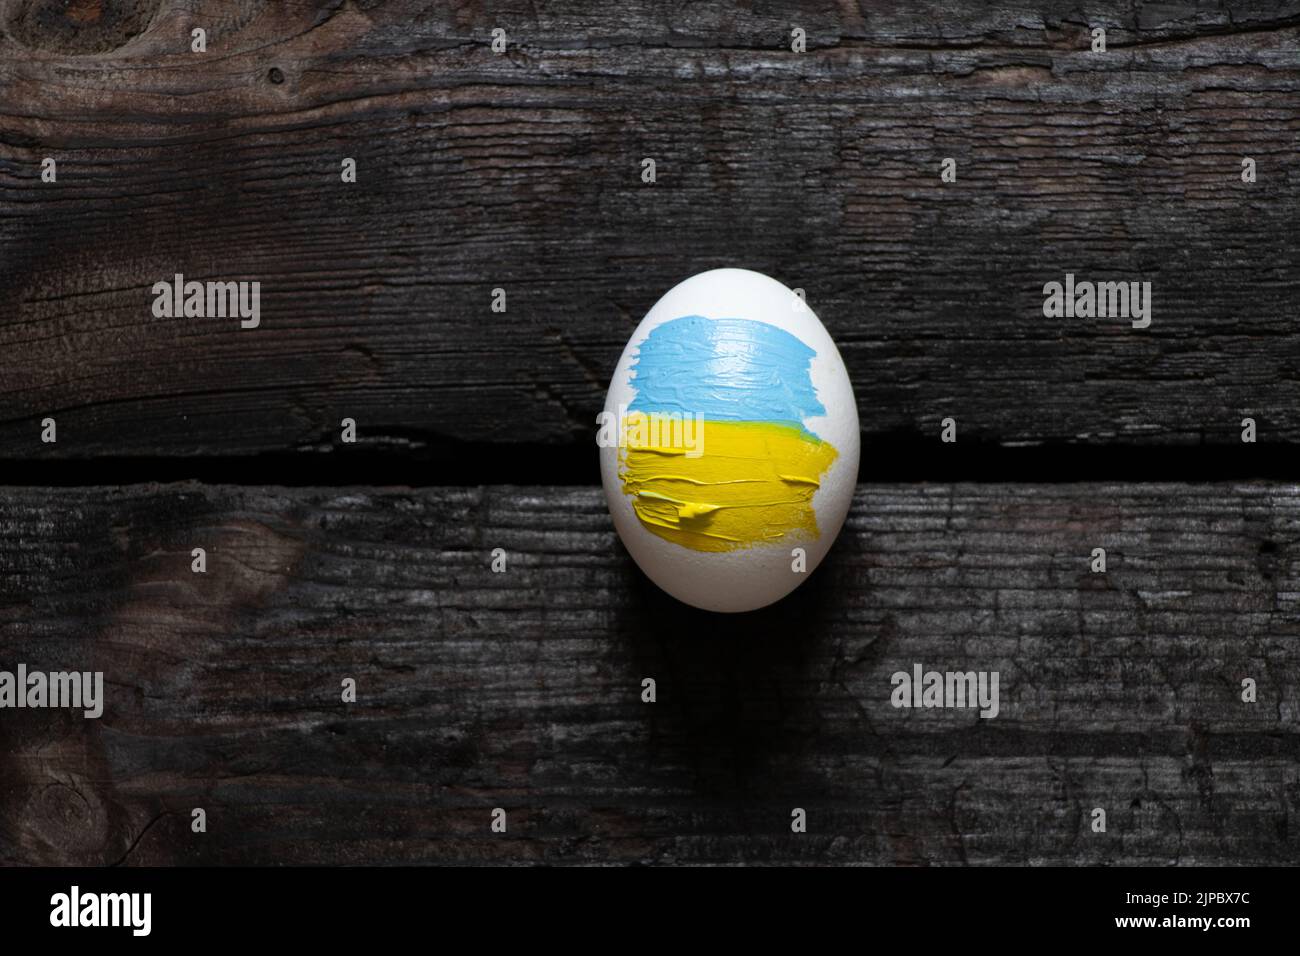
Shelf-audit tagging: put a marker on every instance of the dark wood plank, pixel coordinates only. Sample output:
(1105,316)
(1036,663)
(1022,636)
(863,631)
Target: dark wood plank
(521,689)
(521,170)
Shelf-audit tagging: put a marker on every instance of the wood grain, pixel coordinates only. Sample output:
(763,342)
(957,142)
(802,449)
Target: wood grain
(521,689)
(521,171)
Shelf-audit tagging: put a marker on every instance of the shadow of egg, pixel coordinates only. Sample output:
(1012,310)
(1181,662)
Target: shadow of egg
(736,693)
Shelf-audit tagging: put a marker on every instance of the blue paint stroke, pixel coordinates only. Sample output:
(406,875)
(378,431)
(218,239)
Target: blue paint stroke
(725,369)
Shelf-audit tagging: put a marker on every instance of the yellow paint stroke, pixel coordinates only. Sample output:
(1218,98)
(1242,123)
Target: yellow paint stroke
(753,485)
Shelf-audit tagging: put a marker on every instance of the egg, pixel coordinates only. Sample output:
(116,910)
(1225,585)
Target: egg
(729,441)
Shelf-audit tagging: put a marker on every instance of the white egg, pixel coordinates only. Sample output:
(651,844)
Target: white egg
(729,441)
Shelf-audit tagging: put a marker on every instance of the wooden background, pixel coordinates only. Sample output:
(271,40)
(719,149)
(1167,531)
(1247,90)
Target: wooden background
(522,171)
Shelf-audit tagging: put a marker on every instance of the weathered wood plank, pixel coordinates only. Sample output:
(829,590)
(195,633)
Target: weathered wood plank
(521,171)
(521,689)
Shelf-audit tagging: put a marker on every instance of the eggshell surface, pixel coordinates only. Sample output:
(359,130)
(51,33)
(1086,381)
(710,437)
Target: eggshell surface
(729,441)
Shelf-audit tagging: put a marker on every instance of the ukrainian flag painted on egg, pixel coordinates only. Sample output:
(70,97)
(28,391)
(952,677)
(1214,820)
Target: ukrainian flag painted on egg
(729,441)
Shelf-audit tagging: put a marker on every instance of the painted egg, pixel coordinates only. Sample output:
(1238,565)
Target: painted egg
(729,441)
